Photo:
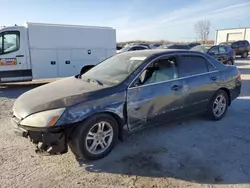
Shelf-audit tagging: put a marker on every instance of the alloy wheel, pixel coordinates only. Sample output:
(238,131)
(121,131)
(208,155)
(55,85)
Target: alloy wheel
(219,105)
(99,137)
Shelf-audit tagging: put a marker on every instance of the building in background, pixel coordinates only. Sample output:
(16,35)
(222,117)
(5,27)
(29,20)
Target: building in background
(234,34)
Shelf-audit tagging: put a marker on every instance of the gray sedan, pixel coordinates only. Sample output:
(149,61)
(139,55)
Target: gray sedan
(124,93)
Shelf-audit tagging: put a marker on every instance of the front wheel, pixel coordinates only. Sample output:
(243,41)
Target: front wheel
(218,105)
(96,137)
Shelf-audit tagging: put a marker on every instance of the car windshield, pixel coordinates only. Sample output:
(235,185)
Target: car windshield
(115,69)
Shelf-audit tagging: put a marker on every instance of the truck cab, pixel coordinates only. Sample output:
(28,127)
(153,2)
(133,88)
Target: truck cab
(14,58)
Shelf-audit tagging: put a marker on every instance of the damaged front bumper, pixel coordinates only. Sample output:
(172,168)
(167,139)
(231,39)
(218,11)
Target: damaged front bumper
(51,140)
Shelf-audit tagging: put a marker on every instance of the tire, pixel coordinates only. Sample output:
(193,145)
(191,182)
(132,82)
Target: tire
(81,146)
(230,62)
(244,55)
(212,105)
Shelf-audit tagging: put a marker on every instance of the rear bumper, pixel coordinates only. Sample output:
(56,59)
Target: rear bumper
(236,91)
(48,140)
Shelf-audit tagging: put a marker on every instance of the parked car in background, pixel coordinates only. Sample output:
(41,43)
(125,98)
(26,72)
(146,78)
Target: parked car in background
(144,44)
(92,110)
(175,46)
(240,47)
(119,47)
(132,48)
(155,46)
(193,44)
(224,54)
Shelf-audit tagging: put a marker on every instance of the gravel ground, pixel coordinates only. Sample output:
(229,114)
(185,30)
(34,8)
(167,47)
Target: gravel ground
(193,152)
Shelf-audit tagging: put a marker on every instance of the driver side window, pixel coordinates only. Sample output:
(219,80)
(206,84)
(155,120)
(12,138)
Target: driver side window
(158,71)
(10,42)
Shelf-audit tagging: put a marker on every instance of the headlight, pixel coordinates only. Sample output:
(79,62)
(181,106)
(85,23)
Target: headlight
(43,119)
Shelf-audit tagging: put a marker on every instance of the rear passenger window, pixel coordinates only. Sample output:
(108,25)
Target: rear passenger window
(192,65)
(222,49)
(235,45)
(210,67)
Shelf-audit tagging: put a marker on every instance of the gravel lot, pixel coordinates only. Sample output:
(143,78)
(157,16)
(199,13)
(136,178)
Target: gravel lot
(194,152)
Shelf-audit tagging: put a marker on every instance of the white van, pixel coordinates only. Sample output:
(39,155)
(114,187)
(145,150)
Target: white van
(43,51)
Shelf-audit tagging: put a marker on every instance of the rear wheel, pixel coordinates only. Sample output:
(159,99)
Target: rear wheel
(218,105)
(230,62)
(95,138)
(244,55)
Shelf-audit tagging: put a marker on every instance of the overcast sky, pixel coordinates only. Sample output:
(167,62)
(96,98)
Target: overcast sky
(133,19)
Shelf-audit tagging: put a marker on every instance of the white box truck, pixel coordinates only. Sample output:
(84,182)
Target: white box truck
(44,51)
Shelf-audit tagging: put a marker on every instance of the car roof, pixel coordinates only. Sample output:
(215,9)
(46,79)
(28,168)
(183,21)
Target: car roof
(227,46)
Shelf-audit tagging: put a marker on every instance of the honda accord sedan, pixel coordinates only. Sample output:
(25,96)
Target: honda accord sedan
(127,92)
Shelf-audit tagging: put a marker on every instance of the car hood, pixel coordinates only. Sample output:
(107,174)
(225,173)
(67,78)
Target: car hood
(59,94)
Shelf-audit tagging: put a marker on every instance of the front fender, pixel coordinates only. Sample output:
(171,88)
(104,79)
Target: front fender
(110,104)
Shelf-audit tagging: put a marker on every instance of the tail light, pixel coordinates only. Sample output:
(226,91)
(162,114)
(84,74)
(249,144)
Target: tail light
(234,52)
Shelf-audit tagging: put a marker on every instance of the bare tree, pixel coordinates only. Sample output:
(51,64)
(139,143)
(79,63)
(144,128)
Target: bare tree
(202,29)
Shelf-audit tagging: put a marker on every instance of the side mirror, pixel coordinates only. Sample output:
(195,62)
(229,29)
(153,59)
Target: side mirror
(141,79)
(143,76)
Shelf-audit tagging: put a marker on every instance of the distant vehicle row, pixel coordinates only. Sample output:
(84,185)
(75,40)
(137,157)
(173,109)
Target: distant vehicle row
(142,46)
(227,52)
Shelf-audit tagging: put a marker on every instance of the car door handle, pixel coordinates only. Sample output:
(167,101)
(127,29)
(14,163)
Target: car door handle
(52,62)
(67,62)
(19,55)
(175,87)
(213,78)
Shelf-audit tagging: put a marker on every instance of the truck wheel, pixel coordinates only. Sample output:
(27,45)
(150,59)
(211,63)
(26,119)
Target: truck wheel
(96,137)
(244,55)
(218,105)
